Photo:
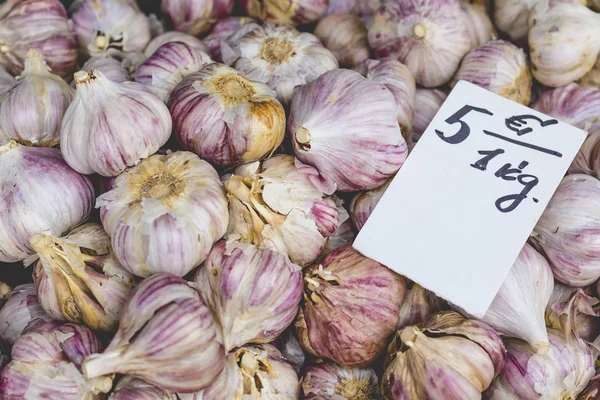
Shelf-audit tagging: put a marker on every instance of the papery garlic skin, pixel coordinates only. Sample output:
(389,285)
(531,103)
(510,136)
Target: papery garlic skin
(31,111)
(130,388)
(111,27)
(40,194)
(110,67)
(481,29)
(175,36)
(363,204)
(510,16)
(568,231)
(448,357)
(344,234)
(500,67)
(345,132)
(275,206)
(6,80)
(592,390)
(351,305)
(419,305)
(399,80)
(22,312)
(254,293)
(562,373)
(110,126)
(46,365)
(563,41)
(286,12)
(327,380)
(345,35)
(218,40)
(167,336)
(225,117)
(423,35)
(168,65)
(427,104)
(77,286)
(36,24)
(282,58)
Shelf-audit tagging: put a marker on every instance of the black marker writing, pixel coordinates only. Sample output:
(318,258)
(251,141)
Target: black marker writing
(464,130)
(517,122)
(482,163)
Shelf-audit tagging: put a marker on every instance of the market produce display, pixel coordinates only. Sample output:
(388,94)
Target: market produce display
(181,182)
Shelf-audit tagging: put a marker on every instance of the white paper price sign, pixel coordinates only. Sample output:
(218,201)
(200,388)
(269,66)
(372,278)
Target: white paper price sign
(457,214)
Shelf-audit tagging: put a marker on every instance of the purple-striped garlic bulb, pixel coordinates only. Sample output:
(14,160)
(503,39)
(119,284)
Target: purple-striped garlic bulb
(78,278)
(427,104)
(286,12)
(399,80)
(226,118)
(40,194)
(110,126)
(478,22)
(131,388)
(419,305)
(195,16)
(345,132)
(564,41)
(254,293)
(111,68)
(345,35)
(569,231)
(21,312)
(164,214)
(424,35)
(500,67)
(351,306)
(168,65)
(36,24)
(328,380)
(167,336)
(254,372)
(282,58)
(562,373)
(46,364)
(6,80)
(31,111)
(574,310)
(175,36)
(274,206)
(225,34)
(363,204)
(365,9)
(111,27)
(447,357)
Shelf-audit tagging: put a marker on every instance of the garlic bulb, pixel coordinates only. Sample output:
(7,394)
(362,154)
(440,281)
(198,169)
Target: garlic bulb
(195,16)
(219,37)
(327,380)
(167,336)
(448,357)
(563,41)
(31,111)
(130,388)
(254,372)
(40,194)
(168,65)
(500,67)
(78,278)
(110,126)
(363,204)
(592,390)
(282,58)
(574,310)
(345,132)
(424,35)
(113,27)
(175,36)
(592,78)
(111,68)
(399,80)
(510,16)
(361,8)
(345,35)
(427,104)
(22,312)
(46,365)
(419,305)
(253,293)
(164,214)
(225,117)
(290,348)
(287,12)
(562,373)
(274,206)
(478,22)
(6,80)
(36,24)
(568,231)
(351,306)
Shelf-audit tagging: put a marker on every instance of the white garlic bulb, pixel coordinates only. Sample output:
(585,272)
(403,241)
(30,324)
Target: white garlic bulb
(110,126)
(592,78)
(282,58)
(164,214)
(478,22)
(345,35)
(510,16)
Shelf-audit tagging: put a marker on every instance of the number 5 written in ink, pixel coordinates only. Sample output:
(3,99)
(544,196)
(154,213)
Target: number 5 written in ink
(465,129)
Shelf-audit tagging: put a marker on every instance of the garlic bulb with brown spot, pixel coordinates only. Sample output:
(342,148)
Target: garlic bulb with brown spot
(500,67)
(286,12)
(510,16)
(226,118)
(345,35)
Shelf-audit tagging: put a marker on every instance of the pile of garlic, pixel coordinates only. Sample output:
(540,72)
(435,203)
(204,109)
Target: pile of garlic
(184,188)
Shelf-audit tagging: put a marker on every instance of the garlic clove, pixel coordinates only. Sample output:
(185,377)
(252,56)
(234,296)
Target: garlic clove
(110,67)
(574,311)
(510,16)
(110,126)
(226,118)
(21,312)
(363,204)
(345,35)
(329,380)
(419,305)
(175,36)
(164,214)
(287,12)
(427,104)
